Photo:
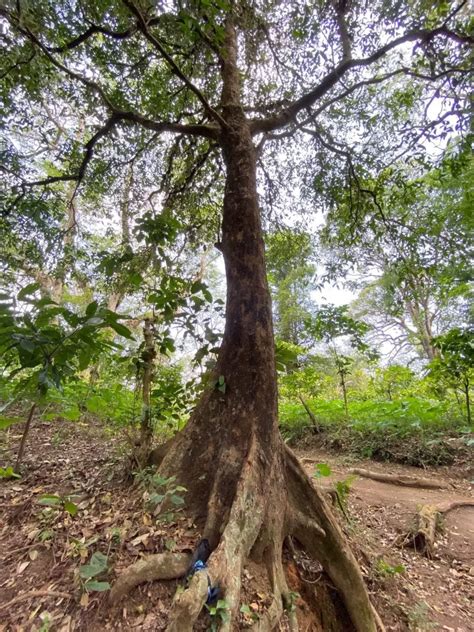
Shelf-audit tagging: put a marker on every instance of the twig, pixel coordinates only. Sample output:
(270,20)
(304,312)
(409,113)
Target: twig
(35,593)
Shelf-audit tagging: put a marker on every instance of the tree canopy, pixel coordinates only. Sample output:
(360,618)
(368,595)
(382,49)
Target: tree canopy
(197,123)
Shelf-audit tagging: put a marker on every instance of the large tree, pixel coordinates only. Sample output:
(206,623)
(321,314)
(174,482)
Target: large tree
(195,93)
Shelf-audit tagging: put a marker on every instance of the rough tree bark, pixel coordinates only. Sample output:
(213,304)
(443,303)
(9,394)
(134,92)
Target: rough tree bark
(245,487)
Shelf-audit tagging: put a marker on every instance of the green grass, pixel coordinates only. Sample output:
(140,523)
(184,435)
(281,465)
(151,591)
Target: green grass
(412,430)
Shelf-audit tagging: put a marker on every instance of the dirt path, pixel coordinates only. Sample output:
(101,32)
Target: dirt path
(41,551)
(442,588)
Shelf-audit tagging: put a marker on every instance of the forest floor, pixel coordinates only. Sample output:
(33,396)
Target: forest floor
(42,549)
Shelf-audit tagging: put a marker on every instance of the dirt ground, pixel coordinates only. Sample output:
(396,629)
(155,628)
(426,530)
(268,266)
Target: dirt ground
(41,549)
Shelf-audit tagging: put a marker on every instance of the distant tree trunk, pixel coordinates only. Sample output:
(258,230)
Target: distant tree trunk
(310,414)
(148,356)
(21,449)
(344,392)
(468,401)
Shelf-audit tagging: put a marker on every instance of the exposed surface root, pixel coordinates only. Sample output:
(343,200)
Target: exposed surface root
(225,564)
(401,479)
(264,510)
(317,530)
(160,566)
(422,536)
(188,604)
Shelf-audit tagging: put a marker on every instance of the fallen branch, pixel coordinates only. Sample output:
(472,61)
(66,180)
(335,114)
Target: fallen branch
(400,479)
(159,566)
(35,593)
(426,525)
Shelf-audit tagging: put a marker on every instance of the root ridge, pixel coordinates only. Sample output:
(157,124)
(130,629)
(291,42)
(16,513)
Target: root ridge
(270,501)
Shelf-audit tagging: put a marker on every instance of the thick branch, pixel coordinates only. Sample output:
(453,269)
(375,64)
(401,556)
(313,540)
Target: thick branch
(87,34)
(341,8)
(401,479)
(157,126)
(289,114)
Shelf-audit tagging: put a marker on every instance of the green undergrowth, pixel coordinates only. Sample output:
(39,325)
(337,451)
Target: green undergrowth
(413,430)
(114,405)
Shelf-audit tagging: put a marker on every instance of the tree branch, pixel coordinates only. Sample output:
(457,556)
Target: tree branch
(92,30)
(341,8)
(143,26)
(289,114)
(117,116)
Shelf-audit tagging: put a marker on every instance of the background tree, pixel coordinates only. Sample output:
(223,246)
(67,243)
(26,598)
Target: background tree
(205,90)
(455,364)
(291,276)
(417,254)
(331,325)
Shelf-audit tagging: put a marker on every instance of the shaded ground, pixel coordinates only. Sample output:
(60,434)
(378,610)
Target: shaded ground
(42,549)
(439,592)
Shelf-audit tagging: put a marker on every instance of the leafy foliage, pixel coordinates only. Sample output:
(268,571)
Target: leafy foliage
(91,573)
(48,343)
(163,496)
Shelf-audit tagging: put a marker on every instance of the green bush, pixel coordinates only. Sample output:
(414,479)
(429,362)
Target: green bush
(411,430)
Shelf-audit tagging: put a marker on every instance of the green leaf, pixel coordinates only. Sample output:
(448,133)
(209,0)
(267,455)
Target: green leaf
(95,320)
(27,290)
(121,330)
(6,422)
(91,309)
(177,500)
(97,586)
(71,414)
(97,565)
(27,345)
(50,500)
(8,472)
(156,499)
(71,508)
(322,469)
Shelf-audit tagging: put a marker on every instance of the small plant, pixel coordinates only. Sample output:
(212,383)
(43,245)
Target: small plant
(219,614)
(221,385)
(384,569)
(46,622)
(290,601)
(162,494)
(63,503)
(80,548)
(250,616)
(57,438)
(322,470)
(8,472)
(342,492)
(90,574)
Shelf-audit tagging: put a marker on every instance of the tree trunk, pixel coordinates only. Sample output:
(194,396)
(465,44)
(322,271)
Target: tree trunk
(344,394)
(468,402)
(245,488)
(21,449)
(147,358)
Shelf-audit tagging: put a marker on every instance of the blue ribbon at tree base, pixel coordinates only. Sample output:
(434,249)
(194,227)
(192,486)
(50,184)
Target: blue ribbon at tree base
(212,591)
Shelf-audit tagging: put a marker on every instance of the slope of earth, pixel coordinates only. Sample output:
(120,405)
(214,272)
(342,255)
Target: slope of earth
(433,594)
(42,549)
